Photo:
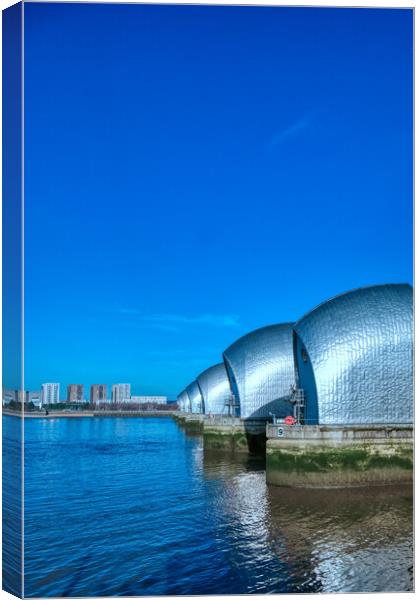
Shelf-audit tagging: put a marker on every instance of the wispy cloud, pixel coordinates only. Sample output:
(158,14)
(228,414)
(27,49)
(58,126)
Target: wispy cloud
(205,319)
(142,324)
(126,311)
(172,322)
(184,352)
(280,136)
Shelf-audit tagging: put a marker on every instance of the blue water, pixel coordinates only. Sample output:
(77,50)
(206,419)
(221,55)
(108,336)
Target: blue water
(131,506)
(12,505)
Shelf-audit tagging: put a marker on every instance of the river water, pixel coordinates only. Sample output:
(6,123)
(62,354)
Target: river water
(132,506)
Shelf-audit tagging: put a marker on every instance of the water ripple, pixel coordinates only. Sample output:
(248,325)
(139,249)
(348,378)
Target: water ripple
(130,507)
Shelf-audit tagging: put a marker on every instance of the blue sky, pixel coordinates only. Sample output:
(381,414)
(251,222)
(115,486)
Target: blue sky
(193,173)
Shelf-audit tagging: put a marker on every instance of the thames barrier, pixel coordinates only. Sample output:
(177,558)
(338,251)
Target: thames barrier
(328,398)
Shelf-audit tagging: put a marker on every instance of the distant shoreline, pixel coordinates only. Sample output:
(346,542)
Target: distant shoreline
(61,414)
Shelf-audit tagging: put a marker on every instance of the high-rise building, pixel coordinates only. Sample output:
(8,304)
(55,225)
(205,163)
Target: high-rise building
(97,393)
(50,393)
(121,392)
(75,392)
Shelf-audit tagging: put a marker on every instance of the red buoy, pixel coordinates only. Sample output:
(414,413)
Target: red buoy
(289,420)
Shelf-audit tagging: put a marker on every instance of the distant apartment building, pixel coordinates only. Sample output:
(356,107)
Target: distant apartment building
(121,392)
(17,396)
(50,393)
(9,395)
(97,393)
(149,399)
(34,397)
(75,392)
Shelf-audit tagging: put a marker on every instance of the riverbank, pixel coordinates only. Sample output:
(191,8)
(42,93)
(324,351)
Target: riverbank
(87,414)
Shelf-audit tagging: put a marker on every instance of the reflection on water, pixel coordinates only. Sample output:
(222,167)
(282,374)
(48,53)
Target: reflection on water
(345,540)
(349,540)
(132,507)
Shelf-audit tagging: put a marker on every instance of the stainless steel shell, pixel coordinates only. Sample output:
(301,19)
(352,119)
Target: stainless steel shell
(179,402)
(215,389)
(195,397)
(184,402)
(354,357)
(261,371)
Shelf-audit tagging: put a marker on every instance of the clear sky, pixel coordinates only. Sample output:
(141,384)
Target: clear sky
(193,173)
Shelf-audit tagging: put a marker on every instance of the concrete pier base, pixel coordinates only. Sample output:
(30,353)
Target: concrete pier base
(194,423)
(233,435)
(191,422)
(179,417)
(334,456)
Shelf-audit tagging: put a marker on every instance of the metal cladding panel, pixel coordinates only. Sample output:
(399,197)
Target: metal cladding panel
(180,402)
(184,402)
(261,367)
(215,389)
(195,397)
(359,347)
(187,402)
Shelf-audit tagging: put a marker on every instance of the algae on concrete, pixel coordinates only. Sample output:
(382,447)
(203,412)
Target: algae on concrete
(356,464)
(234,438)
